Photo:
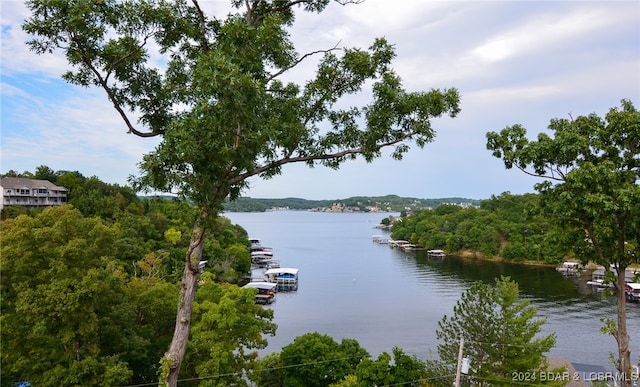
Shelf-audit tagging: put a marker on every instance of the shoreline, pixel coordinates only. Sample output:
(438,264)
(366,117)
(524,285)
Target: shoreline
(467,254)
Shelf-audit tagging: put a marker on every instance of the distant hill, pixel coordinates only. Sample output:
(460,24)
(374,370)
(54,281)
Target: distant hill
(388,203)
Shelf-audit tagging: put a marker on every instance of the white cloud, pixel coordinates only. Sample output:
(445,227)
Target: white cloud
(79,132)
(8,91)
(16,56)
(547,30)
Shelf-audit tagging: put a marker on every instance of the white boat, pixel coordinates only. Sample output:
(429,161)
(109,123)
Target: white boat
(266,291)
(570,268)
(285,277)
(261,260)
(272,264)
(261,256)
(261,251)
(264,251)
(256,247)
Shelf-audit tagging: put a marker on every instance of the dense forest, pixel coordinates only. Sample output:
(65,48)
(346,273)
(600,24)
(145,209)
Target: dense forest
(388,203)
(90,289)
(511,227)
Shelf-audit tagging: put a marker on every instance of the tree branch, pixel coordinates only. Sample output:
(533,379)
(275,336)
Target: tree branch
(297,62)
(103,81)
(325,156)
(550,177)
(203,26)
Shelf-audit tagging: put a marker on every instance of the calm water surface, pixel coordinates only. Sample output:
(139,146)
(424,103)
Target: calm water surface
(351,287)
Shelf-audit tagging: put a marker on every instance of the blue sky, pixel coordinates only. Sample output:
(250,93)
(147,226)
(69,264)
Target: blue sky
(512,61)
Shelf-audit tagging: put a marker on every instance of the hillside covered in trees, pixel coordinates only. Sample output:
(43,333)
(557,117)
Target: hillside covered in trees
(511,227)
(90,289)
(388,203)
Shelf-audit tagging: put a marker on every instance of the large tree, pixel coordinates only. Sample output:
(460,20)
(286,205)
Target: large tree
(590,168)
(500,333)
(216,91)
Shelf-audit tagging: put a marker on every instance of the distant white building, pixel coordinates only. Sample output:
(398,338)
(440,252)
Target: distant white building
(18,191)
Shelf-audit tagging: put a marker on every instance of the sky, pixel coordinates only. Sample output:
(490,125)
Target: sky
(513,62)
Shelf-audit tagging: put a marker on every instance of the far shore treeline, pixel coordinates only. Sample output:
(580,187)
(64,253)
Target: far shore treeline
(387,203)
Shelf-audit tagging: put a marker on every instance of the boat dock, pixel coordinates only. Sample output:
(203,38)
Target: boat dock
(380,239)
(266,291)
(437,253)
(267,275)
(406,246)
(570,269)
(599,278)
(285,277)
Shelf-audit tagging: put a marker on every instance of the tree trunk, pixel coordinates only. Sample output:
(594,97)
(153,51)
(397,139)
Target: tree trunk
(172,360)
(621,335)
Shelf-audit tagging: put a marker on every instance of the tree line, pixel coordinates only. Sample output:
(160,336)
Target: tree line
(388,203)
(509,227)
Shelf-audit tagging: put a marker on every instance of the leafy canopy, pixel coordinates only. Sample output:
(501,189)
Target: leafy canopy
(216,90)
(591,170)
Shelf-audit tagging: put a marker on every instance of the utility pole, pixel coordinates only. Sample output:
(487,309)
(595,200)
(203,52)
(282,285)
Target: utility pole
(457,383)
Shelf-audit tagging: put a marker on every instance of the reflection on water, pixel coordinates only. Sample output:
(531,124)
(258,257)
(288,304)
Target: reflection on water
(351,287)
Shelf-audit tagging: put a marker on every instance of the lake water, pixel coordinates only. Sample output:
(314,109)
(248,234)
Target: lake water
(351,287)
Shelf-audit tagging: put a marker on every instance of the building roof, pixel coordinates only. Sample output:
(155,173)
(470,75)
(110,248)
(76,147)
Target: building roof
(569,376)
(21,182)
(261,285)
(282,270)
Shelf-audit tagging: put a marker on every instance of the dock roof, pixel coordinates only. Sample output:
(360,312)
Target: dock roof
(261,285)
(282,270)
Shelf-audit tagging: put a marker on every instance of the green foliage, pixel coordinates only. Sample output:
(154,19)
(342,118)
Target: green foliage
(401,369)
(591,169)
(238,118)
(227,252)
(347,381)
(91,196)
(150,225)
(90,301)
(66,320)
(595,162)
(219,103)
(172,235)
(227,326)
(512,227)
(268,371)
(499,330)
(314,359)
